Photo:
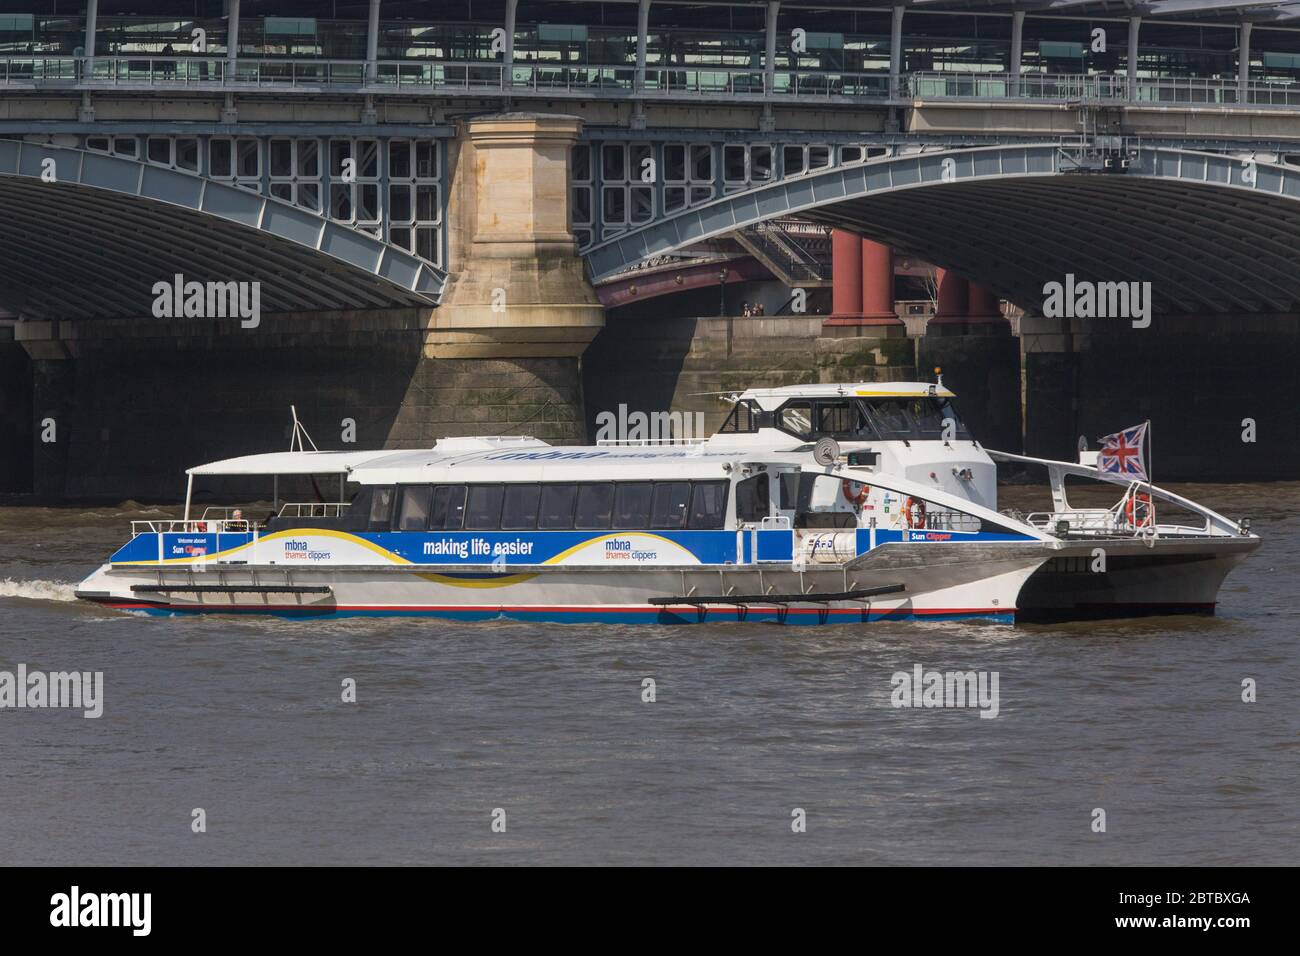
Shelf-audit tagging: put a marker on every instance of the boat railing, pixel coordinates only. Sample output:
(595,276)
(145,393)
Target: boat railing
(1112,521)
(314,509)
(1089,521)
(950,521)
(1141,500)
(202,525)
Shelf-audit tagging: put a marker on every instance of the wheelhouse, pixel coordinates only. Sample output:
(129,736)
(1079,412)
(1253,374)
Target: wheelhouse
(852,418)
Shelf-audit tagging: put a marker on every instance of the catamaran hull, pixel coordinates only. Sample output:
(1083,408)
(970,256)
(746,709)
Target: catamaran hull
(936,584)
(952,581)
(1132,578)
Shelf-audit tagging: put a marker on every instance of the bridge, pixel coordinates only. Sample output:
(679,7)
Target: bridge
(456,197)
(1210,232)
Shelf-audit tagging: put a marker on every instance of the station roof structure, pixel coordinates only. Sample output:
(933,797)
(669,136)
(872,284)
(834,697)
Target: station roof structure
(1230,10)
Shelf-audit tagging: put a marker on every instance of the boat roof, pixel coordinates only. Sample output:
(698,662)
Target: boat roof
(288,463)
(523,458)
(530,463)
(846,389)
(341,462)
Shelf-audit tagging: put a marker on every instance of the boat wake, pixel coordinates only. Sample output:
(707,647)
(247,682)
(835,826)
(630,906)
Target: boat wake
(38,590)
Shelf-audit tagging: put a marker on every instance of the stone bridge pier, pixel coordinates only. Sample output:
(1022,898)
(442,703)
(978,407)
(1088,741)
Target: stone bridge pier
(349,331)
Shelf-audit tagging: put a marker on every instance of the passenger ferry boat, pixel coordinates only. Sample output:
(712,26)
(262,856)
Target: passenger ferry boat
(813,504)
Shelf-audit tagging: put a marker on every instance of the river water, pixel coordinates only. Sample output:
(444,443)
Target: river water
(243,718)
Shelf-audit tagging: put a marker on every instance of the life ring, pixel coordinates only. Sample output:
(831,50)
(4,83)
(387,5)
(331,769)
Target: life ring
(1139,510)
(914,513)
(859,499)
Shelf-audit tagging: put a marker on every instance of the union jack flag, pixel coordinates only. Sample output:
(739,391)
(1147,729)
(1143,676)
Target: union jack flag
(1121,453)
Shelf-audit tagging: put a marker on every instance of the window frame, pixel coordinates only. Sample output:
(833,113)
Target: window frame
(384,522)
(765,480)
(699,485)
(576,487)
(613,495)
(514,487)
(403,491)
(665,488)
(620,488)
(485,486)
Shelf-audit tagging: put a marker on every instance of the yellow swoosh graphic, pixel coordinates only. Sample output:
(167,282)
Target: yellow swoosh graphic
(504,580)
(606,537)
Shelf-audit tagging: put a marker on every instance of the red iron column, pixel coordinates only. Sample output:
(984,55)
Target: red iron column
(875,303)
(878,285)
(846,275)
(953,297)
(984,306)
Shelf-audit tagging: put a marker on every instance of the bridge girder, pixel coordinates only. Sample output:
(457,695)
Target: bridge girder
(90,235)
(1211,232)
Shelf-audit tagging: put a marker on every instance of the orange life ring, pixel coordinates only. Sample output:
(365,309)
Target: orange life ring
(914,513)
(1146,517)
(859,499)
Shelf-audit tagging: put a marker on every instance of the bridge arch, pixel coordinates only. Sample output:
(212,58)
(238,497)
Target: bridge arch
(95,240)
(1212,233)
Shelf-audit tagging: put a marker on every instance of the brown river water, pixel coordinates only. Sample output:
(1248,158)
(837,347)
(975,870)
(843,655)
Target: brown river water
(751,722)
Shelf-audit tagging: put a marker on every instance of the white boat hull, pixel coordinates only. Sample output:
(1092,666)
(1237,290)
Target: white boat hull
(991,581)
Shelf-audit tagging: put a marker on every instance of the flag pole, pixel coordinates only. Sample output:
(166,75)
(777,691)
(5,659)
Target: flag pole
(1151,506)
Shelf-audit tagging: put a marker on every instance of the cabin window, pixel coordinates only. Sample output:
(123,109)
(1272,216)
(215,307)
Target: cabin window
(841,419)
(668,508)
(556,510)
(891,421)
(519,512)
(413,511)
(447,513)
(709,505)
(916,418)
(359,507)
(742,419)
(752,499)
(381,509)
(595,506)
(796,418)
(483,509)
(632,504)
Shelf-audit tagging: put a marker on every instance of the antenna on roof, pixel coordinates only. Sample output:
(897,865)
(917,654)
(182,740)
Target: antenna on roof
(299,439)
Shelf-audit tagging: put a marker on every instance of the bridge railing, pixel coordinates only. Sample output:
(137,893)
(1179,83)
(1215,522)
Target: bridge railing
(1029,86)
(661,81)
(426,76)
(1216,92)
(1103,88)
